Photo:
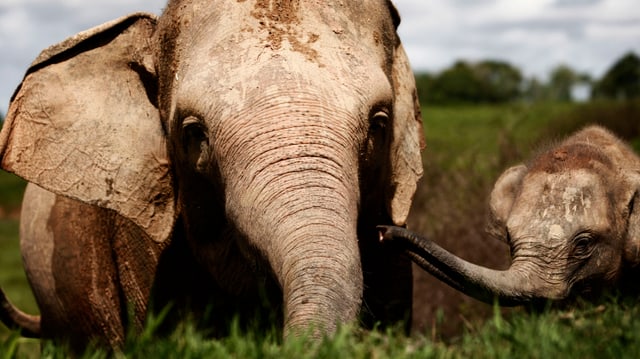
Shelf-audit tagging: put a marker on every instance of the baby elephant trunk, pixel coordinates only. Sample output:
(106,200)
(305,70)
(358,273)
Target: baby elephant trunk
(509,287)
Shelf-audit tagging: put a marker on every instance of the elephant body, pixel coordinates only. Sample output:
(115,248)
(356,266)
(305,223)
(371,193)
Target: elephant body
(571,217)
(233,155)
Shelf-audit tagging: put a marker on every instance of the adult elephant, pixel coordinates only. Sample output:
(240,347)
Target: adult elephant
(227,149)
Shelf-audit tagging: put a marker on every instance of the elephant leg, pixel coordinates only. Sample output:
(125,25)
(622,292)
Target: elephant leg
(188,290)
(69,261)
(136,257)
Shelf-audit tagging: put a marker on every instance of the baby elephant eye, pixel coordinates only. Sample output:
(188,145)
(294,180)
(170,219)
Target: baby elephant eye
(582,245)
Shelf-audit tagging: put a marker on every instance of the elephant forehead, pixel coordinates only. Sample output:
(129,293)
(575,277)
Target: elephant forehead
(239,31)
(561,203)
(247,49)
(280,81)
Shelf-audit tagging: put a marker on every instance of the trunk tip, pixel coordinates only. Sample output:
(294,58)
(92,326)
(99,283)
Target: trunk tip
(385,233)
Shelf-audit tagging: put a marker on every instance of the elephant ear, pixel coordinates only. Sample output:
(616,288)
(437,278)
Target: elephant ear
(407,142)
(632,245)
(83,124)
(501,200)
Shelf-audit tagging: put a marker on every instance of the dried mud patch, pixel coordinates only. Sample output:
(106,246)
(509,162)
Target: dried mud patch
(280,20)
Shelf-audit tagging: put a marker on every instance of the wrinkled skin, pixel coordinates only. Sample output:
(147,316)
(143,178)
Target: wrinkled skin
(571,217)
(224,155)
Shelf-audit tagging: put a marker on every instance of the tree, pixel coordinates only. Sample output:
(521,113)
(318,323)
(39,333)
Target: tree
(500,81)
(457,84)
(562,80)
(535,90)
(621,81)
(564,83)
(424,85)
(488,81)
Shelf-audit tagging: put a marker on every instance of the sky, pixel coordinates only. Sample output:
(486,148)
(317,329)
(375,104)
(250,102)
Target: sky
(534,35)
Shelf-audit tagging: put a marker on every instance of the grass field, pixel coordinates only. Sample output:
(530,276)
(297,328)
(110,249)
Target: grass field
(467,147)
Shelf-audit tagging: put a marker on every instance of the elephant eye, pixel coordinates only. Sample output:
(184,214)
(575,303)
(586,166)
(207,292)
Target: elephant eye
(378,121)
(194,131)
(631,205)
(582,245)
(195,141)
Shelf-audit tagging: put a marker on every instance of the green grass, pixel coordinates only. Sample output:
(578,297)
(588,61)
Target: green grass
(14,282)
(467,147)
(12,188)
(608,330)
(12,276)
(478,137)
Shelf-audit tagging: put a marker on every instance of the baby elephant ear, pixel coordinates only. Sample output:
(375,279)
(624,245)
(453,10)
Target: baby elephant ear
(632,246)
(407,142)
(501,200)
(83,124)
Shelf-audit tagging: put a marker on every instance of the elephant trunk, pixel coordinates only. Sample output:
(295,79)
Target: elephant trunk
(298,206)
(321,279)
(508,287)
(311,246)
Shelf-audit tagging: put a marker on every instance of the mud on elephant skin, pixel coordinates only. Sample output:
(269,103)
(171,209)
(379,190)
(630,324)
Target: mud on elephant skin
(571,217)
(224,147)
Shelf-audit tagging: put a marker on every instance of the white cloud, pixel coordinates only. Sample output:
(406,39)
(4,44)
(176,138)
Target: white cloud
(29,26)
(535,35)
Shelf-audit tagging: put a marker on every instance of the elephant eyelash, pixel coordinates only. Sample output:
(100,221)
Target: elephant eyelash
(379,120)
(194,129)
(632,202)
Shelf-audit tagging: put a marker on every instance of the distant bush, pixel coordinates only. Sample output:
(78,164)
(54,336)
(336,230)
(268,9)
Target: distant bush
(497,82)
(621,117)
(488,81)
(621,81)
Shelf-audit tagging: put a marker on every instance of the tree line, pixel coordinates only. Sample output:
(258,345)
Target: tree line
(496,81)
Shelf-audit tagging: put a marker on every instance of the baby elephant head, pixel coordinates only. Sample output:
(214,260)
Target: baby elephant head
(571,218)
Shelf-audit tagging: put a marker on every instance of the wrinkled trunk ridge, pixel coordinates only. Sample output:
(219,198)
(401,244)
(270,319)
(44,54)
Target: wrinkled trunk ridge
(300,211)
(315,257)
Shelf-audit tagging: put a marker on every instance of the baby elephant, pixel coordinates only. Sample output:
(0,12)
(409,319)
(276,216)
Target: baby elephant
(571,217)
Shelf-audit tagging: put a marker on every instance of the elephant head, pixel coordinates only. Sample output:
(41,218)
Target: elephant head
(275,134)
(570,216)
